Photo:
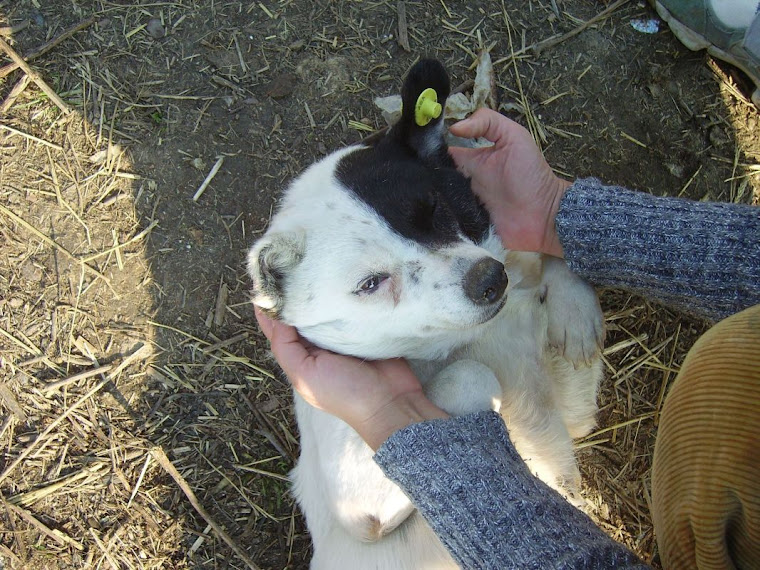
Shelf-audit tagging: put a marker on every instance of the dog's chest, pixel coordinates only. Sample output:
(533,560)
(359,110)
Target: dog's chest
(509,345)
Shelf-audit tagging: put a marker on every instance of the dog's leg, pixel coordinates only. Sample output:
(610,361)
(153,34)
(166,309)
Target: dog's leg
(575,391)
(542,440)
(367,504)
(546,400)
(413,547)
(336,481)
(575,332)
(575,320)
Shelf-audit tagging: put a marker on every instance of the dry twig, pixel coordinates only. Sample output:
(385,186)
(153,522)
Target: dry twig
(168,466)
(47,46)
(14,29)
(209,177)
(57,535)
(31,137)
(8,470)
(53,243)
(539,47)
(403,32)
(35,77)
(14,94)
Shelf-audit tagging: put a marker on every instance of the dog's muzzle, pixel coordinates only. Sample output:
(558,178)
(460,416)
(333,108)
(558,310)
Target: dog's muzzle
(485,282)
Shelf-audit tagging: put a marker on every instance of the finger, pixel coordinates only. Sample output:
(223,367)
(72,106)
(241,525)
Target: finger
(289,350)
(265,323)
(482,123)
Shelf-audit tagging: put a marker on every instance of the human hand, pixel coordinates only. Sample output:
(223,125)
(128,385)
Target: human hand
(515,183)
(375,397)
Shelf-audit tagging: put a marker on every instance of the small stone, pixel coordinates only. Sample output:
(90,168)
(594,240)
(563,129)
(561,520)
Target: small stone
(155,29)
(655,90)
(196,234)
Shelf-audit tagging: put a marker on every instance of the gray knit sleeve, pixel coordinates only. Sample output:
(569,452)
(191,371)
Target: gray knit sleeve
(465,477)
(701,258)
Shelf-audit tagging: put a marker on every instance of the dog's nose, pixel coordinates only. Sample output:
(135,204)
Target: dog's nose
(485,282)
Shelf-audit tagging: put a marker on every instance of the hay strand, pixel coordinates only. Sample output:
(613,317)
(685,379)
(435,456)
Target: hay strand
(209,177)
(159,455)
(18,60)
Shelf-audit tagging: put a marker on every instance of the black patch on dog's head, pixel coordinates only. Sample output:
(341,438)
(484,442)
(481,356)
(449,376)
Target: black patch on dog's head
(410,179)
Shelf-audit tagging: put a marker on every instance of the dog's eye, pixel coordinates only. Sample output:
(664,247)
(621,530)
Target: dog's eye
(371,283)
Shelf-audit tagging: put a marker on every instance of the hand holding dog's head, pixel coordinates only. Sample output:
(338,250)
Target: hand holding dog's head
(383,251)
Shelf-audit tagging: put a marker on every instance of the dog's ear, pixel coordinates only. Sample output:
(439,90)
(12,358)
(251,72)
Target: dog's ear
(270,262)
(420,129)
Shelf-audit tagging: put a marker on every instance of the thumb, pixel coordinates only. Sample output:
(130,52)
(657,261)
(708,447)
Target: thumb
(289,351)
(265,323)
(482,123)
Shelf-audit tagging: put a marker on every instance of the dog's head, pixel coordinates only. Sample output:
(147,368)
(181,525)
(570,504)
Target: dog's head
(383,251)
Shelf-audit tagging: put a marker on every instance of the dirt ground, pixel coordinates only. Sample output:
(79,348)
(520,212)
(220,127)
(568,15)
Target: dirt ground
(125,327)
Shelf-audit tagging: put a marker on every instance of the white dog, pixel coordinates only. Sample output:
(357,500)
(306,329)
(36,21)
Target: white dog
(384,251)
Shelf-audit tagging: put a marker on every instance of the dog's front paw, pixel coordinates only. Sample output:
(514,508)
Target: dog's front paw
(575,327)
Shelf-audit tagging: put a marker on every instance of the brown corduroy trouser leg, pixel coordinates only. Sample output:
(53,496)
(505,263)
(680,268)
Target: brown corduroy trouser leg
(706,469)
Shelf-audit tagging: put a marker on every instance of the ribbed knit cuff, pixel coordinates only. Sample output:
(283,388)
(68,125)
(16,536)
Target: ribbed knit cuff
(465,477)
(701,258)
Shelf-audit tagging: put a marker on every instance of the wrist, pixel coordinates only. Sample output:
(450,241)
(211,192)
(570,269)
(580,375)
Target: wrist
(403,411)
(552,244)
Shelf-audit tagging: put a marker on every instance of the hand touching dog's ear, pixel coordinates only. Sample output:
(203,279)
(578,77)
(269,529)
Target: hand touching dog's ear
(514,181)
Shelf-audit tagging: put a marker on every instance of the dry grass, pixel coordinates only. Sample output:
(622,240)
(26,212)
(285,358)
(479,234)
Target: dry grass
(645,345)
(142,423)
(81,360)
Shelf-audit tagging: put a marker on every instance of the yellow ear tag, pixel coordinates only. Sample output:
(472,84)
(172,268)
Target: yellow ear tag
(427,107)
